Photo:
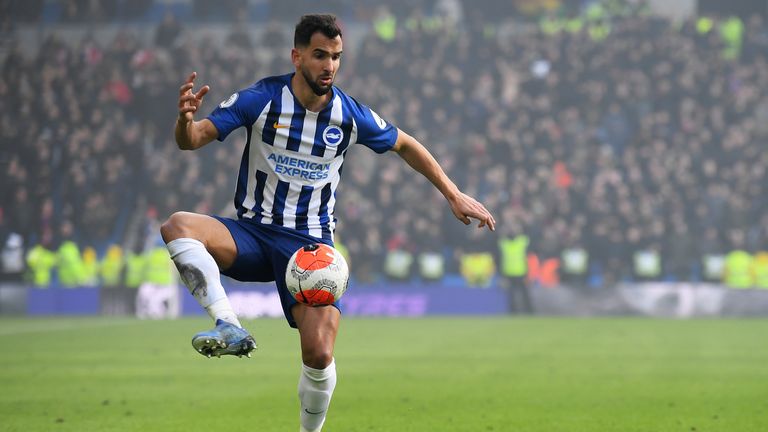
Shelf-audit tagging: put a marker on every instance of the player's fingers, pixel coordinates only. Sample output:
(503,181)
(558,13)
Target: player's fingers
(185,88)
(192,77)
(187,97)
(490,224)
(185,100)
(486,217)
(478,211)
(188,108)
(200,93)
(484,222)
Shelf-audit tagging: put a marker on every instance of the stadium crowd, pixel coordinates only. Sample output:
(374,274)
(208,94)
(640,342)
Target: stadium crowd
(628,133)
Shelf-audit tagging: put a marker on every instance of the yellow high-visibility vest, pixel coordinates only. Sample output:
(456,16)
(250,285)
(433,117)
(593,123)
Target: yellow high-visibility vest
(478,268)
(514,256)
(135,270)
(760,270)
(40,262)
(159,267)
(71,269)
(738,270)
(112,266)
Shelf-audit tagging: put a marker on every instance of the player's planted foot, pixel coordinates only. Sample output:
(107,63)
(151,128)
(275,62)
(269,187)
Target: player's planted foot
(224,339)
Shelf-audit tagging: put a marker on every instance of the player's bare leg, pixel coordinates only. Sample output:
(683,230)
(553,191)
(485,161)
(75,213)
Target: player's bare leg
(205,229)
(318,327)
(199,246)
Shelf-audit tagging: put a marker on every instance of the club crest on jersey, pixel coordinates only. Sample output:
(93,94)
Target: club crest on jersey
(332,135)
(229,102)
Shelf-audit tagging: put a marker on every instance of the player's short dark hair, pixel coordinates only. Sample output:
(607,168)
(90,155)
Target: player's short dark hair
(313,23)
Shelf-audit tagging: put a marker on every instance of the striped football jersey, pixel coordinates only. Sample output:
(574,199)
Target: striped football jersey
(293,158)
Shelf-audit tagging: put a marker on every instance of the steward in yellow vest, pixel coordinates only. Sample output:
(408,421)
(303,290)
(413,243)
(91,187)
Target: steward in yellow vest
(704,25)
(159,267)
(385,26)
(738,270)
(40,262)
(112,267)
(135,265)
(478,268)
(513,257)
(732,34)
(71,269)
(760,270)
(90,267)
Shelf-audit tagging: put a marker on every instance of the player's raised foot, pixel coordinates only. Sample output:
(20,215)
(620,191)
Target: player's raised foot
(224,339)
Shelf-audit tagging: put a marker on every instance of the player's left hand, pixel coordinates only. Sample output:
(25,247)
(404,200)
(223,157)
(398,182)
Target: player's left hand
(465,207)
(190,102)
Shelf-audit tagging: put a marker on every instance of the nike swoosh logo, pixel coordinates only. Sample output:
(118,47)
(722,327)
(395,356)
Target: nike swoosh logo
(313,413)
(277,125)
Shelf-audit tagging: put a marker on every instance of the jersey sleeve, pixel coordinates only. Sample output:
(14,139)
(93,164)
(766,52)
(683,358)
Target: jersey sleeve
(240,109)
(373,131)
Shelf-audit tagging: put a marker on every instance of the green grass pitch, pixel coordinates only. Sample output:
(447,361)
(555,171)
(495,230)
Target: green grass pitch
(436,374)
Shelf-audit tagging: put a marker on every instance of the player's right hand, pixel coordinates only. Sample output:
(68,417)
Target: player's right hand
(190,102)
(465,207)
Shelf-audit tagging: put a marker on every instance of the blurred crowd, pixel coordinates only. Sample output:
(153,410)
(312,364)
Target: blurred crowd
(649,138)
(649,135)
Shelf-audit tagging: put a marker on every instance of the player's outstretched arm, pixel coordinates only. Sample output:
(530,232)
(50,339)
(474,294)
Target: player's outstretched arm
(191,134)
(464,207)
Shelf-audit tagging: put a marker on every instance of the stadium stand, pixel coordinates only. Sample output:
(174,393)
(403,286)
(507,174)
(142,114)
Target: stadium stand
(637,140)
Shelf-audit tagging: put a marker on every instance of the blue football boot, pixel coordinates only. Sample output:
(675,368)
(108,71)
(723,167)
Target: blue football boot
(224,339)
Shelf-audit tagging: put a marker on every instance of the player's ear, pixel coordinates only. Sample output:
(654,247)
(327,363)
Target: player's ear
(296,57)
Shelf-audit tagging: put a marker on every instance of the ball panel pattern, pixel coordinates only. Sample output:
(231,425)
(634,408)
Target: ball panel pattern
(317,274)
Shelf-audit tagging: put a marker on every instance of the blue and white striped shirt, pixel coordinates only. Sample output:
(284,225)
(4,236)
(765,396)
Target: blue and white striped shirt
(293,158)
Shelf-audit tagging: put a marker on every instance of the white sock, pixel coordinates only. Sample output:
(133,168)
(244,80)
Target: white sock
(199,272)
(315,391)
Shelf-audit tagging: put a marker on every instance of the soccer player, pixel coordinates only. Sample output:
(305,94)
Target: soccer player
(298,130)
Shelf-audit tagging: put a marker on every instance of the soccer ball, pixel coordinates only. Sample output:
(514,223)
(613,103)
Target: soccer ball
(317,275)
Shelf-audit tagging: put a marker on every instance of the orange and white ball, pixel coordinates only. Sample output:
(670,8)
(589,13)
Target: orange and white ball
(317,275)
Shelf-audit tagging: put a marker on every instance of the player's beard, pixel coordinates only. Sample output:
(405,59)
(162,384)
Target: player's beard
(316,88)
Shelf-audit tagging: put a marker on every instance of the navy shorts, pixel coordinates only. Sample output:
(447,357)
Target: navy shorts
(263,252)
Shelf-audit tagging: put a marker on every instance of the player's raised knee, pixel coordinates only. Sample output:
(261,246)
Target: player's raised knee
(176,226)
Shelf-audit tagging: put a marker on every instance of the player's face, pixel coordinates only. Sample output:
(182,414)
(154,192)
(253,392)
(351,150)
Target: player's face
(318,62)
